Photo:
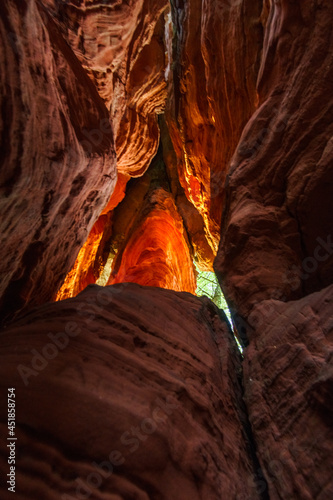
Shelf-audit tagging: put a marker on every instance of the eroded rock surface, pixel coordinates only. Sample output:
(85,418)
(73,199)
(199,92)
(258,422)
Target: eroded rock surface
(138,377)
(275,254)
(93,256)
(80,86)
(144,381)
(277,228)
(151,238)
(288,378)
(216,52)
(54,181)
(121,46)
(157,252)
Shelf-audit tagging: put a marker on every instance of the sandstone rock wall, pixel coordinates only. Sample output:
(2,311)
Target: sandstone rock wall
(121,46)
(54,180)
(275,253)
(277,226)
(81,84)
(288,378)
(147,239)
(210,97)
(217,48)
(248,136)
(157,252)
(93,256)
(126,391)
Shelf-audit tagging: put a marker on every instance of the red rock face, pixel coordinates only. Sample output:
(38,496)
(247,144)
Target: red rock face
(94,63)
(142,380)
(93,256)
(120,45)
(277,229)
(288,376)
(157,253)
(276,251)
(54,179)
(143,240)
(128,402)
(192,219)
(216,60)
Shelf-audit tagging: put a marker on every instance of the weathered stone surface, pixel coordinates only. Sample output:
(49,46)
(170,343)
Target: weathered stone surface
(157,252)
(192,219)
(54,180)
(89,263)
(121,46)
(276,248)
(66,69)
(277,227)
(288,378)
(93,256)
(152,388)
(144,240)
(149,238)
(217,50)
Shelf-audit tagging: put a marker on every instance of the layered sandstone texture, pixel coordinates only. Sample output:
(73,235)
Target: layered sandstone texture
(93,256)
(155,249)
(121,47)
(81,85)
(146,239)
(288,378)
(216,54)
(157,252)
(145,381)
(204,122)
(116,401)
(277,227)
(275,256)
(54,181)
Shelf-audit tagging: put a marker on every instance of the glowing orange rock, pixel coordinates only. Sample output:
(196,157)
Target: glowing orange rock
(54,182)
(218,47)
(82,273)
(157,253)
(88,264)
(118,193)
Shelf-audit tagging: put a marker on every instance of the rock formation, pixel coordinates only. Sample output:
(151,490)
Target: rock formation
(121,47)
(93,256)
(127,402)
(216,59)
(54,180)
(288,377)
(157,253)
(137,138)
(276,251)
(276,231)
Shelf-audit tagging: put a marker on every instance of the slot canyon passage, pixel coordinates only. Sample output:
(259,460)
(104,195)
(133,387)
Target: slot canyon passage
(144,142)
